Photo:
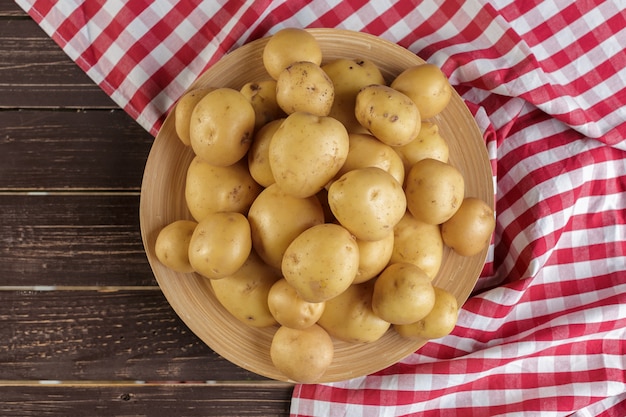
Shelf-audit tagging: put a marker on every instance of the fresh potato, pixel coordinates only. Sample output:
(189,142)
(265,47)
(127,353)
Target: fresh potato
(306,152)
(403,294)
(434,191)
(277,218)
(321,262)
(418,243)
(244,294)
(348,77)
(289,309)
(172,245)
(427,86)
(222,127)
(438,323)
(262,96)
(210,188)
(427,144)
(303,355)
(469,230)
(368,202)
(388,114)
(258,155)
(287,46)
(183,110)
(349,316)
(367,151)
(374,255)
(220,244)
(304,87)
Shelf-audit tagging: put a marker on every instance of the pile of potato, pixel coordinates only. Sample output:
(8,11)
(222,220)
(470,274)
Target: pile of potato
(322,199)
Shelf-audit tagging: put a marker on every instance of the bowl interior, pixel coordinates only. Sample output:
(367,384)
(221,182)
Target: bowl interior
(191,296)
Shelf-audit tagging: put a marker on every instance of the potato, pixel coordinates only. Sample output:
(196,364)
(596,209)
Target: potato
(277,218)
(427,144)
(220,245)
(438,323)
(304,87)
(434,191)
(289,309)
(403,294)
(349,316)
(321,262)
(388,114)
(172,245)
(287,46)
(306,152)
(210,188)
(244,293)
(222,127)
(367,151)
(418,243)
(258,154)
(183,109)
(262,96)
(469,230)
(427,86)
(374,255)
(303,355)
(348,77)
(368,202)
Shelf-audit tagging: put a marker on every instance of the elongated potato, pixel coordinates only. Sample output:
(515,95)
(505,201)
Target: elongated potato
(172,245)
(304,87)
(183,110)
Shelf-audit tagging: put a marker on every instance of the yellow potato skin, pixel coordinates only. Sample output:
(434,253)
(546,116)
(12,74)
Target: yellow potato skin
(220,244)
(321,262)
(172,245)
(469,230)
(258,155)
(304,87)
(289,309)
(287,46)
(374,255)
(428,144)
(244,293)
(183,110)
(438,323)
(303,355)
(427,86)
(222,126)
(389,115)
(210,188)
(262,96)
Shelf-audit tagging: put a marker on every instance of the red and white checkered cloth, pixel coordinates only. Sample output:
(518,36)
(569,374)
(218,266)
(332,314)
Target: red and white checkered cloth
(545,331)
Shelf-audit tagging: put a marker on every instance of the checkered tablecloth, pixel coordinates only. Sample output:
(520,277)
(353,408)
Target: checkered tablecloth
(544,332)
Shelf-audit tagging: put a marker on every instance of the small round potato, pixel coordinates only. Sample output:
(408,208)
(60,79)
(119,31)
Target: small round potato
(418,243)
(427,144)
(349,316)
(289,309)
(244,293)
(172,245)
(469,231)
(438,323)
(210,188)
(388,114)
(434,190)
(262,96)
(222,127)
(304,87)
(403,294)
(287,46)
(368,202)
(427,86)
(303,355)
(374,255)
(277,218)
(321,262)
(220,244)
(183,110)
(258,155)
(306,152)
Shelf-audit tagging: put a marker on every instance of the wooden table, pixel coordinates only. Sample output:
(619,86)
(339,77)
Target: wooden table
(85,329)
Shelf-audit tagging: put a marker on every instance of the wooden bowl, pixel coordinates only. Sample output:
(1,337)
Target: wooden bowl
(191,296)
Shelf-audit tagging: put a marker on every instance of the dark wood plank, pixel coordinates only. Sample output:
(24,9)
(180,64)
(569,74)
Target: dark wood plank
(9,8)
(36,73)
(103,336)
(72,240)
(181,400)
(90,149)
